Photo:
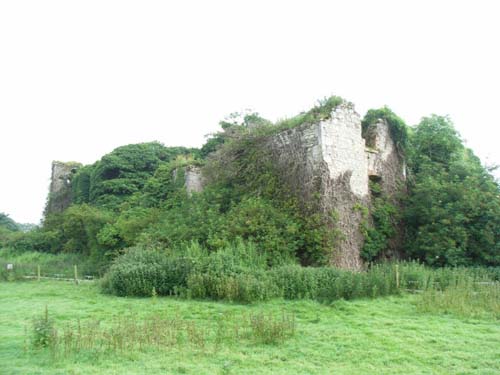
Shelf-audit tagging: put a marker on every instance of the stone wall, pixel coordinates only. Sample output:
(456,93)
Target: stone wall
(193,179)
(327,160)
(387,166)
(384,160)
(60,186)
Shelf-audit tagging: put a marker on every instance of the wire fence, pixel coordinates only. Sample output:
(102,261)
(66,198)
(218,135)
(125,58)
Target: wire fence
(30,271)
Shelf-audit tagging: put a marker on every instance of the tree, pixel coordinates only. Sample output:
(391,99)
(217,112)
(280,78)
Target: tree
(453,208)
(7,223)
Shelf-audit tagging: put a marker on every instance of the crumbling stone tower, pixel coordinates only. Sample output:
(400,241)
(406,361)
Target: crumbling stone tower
(60,186)
(331,160)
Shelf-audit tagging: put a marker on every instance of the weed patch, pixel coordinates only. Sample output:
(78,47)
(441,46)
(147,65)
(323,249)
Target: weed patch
(158,331)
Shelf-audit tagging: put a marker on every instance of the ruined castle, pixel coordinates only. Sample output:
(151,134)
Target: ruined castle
(329,157)
(332,157)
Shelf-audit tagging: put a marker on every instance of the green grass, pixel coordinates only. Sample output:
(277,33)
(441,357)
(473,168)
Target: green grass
(60,265)
(381,336)
(481,300)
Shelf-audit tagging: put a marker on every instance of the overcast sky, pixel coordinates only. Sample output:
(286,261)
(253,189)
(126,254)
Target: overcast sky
(79,78)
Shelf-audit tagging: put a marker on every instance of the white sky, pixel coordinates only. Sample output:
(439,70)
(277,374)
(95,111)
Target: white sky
(79,78)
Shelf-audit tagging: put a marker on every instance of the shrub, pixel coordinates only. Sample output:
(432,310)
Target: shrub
(258,221)
(296,282)
(239,273)
(328,284)
(235,273)
(14,274)
(34,240)
(244,287)
(140,270)
(319,112)
(397,127)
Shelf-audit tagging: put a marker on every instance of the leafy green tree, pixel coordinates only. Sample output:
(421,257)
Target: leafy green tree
(123,172)
(185,219)
(452,212)
(8,228)
(276,234)
(7,223)
(78,228)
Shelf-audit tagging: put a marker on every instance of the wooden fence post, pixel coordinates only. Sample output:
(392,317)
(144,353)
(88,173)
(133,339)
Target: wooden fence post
(38,272)
(76,274)
(397,276)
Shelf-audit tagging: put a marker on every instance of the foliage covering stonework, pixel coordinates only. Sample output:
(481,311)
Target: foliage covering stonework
(121,173)
(135,196)
(397,127)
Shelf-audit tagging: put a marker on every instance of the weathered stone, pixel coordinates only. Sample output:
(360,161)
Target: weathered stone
(384,161)
(327,160)
(387,166)
(193,179)
(60,186)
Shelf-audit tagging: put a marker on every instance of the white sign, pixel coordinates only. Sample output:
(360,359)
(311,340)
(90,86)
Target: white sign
(10,266)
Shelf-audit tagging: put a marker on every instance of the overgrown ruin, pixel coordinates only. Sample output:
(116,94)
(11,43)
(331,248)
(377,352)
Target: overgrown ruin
(59,197)
(331,158)
(328,161)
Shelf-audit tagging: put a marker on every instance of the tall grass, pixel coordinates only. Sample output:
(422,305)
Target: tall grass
(415,276)
(328,284)
(51,265)
(466,298)
(158,331)
(239,273)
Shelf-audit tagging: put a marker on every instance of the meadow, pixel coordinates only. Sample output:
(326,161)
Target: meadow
(405,334)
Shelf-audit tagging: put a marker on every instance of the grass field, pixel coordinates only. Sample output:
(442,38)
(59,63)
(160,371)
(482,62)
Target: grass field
(381,336)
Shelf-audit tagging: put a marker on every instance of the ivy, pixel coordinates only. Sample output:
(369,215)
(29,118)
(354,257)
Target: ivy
(385,216)
(319,112)
(397,127)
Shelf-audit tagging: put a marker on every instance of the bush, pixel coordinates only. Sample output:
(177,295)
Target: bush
(257,221)
(140,270)
(235,273)
(34,240)
(239,273)
(244,287)
(14,274)
(328,284)
(296,282)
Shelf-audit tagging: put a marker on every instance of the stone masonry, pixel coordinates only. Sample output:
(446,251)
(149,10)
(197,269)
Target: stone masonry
(330,160)
(60,186)
(193,179)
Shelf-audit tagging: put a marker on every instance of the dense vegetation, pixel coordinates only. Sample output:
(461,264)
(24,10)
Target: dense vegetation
(7,224)
(134,197)
(248,238)
(452,211)
(238,273)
